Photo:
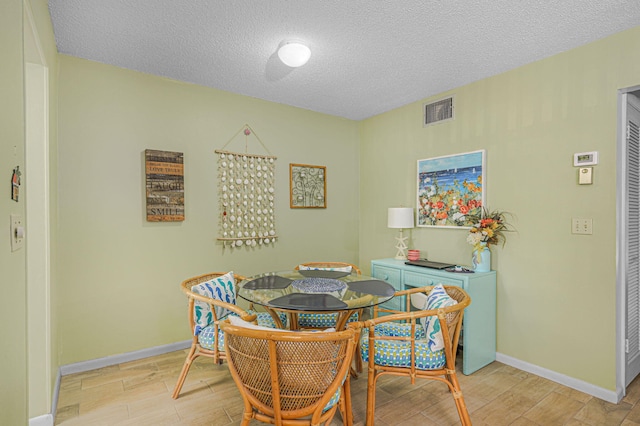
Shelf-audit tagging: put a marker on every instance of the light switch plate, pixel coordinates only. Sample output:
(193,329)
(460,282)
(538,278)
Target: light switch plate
(17,232)
(582,226)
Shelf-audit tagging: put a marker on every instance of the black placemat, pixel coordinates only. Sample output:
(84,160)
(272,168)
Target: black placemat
(375,287)
(308,301)
(319,273)
(268,282)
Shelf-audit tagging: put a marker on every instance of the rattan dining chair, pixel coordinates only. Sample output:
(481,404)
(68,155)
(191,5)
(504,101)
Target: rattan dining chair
(211,297)
(291,378)
(324,320)
(398,344)
(330,266)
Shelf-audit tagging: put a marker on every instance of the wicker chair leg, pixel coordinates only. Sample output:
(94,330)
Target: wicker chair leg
(185,369)
(246,419)
(461,405)
(347,419)
(358,357)
(371,396)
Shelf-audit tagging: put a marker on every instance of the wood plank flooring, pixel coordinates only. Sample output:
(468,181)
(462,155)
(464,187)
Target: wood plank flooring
(139,393)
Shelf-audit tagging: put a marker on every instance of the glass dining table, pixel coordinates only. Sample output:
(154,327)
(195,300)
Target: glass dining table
(314,291)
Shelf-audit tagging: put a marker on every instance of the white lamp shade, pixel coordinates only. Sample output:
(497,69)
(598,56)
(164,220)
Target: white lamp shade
(294,54)
(400,217)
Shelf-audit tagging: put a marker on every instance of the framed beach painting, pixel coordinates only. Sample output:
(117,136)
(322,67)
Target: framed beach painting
(450,188)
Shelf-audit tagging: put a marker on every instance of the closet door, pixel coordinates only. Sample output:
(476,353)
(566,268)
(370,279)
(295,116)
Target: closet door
(632,278)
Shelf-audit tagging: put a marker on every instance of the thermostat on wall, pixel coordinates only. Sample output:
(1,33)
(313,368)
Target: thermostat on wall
(585,158)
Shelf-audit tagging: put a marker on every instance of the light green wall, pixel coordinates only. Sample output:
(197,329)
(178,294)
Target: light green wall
(13,366)
(556,291)
(119,275)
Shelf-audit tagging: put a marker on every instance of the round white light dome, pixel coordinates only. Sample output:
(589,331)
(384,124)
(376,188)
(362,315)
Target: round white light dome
(294,54)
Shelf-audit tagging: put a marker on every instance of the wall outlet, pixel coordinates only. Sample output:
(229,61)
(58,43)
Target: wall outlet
(17,232)
(581,226)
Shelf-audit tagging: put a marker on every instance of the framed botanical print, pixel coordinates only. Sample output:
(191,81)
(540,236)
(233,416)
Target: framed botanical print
(308,186)
(450,188)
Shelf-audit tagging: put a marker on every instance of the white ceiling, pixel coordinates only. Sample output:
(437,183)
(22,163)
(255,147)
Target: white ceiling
(367,56)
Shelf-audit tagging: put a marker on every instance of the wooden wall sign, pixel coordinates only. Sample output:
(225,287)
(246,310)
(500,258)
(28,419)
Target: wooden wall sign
(165,186)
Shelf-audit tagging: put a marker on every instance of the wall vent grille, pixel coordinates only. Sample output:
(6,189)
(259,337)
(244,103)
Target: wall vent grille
(438,111)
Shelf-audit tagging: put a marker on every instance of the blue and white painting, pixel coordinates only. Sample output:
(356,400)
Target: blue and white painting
(450,188)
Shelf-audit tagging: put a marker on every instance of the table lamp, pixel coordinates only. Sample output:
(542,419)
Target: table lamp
(400,218)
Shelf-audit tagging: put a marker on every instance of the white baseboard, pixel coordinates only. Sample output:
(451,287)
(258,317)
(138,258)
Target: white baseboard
(579,385)
(46,420)
(80,367)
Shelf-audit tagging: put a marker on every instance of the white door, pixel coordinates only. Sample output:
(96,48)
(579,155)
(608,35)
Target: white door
(632,278)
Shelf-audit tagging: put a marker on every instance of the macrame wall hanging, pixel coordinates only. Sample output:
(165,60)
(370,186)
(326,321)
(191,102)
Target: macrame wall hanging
(246,189)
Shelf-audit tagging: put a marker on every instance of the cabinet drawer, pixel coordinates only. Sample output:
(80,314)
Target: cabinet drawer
(390,275)
(413,279)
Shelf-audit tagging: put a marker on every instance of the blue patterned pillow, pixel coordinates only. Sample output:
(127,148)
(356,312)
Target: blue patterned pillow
(437,298)
(221,288)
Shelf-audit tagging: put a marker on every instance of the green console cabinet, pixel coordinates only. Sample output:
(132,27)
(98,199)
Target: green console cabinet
(479,322)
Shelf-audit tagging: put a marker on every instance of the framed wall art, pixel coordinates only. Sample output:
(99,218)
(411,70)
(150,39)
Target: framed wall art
(308,186)
(450,188)
(164,185)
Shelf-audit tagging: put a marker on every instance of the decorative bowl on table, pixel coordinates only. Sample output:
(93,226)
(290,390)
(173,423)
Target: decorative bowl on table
(413,254)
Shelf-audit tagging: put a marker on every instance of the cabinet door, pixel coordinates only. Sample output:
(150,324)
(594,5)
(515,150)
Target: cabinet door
(392,276)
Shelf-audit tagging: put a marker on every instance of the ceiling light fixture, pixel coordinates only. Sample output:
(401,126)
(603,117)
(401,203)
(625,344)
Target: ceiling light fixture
(294,54)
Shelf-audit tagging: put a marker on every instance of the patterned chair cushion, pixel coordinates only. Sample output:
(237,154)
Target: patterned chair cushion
(334,399)
(437,298)
(397,353)
(264,319)
(221,288)
(322,320)
(398,329)
(206,338)
(315,268)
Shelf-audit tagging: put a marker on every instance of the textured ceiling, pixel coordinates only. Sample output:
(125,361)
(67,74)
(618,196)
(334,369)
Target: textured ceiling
(367,56)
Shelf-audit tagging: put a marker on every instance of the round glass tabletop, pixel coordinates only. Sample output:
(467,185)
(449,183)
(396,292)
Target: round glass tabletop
(315,290)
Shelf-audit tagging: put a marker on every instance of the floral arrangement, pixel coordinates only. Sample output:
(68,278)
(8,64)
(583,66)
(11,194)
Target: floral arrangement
(489,228)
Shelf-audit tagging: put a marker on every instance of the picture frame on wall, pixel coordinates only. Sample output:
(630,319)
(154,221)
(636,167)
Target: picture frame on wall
(308,186)
(450,189)
(164,172)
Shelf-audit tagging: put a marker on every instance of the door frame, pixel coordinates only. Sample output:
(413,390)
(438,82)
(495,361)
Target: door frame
(37,214)
(621,240)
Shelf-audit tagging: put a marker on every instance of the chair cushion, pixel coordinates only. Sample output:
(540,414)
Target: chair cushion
(221,288)
(315,268)
(334,399)
(206,338)
(322,320)
(266,320)
(397,353)
(237,321)
(437,298)
(398,329)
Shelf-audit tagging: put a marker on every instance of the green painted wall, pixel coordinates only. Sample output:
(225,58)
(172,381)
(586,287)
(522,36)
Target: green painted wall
(119,275)
(13,356)
(556,291)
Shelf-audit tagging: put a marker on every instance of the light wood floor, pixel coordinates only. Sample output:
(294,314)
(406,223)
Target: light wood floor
(139,393)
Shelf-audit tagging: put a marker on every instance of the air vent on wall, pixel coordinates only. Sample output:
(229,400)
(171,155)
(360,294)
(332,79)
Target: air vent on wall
(438,111)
